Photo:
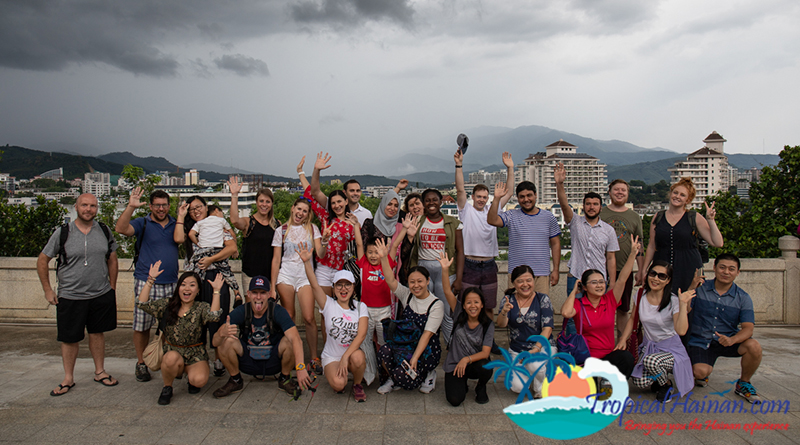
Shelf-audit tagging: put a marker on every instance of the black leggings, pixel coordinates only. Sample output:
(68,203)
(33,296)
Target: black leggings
(455,388)
(623,360)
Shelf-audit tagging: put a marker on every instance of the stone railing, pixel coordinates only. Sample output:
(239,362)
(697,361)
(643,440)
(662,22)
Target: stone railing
(774,285)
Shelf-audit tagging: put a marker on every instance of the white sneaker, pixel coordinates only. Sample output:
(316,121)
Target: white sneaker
(429,384)
(387,387)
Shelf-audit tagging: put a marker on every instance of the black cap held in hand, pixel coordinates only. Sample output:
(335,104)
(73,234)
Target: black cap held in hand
(463,142)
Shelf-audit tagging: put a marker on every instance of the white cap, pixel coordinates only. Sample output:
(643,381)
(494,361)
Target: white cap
(344,275)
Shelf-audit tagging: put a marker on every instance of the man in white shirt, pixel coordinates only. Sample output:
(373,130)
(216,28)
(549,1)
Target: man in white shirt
(480,238)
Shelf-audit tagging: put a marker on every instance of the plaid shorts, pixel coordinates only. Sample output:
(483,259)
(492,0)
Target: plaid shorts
(143,321)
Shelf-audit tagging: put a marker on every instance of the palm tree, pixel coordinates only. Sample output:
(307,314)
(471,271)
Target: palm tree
(510,368)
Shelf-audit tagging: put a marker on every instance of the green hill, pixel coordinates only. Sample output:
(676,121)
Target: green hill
(24,163)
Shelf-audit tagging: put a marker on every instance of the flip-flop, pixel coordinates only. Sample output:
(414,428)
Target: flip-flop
(60,387)
(106,381)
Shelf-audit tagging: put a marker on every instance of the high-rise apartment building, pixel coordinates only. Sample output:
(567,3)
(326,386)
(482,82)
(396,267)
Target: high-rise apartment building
(584,173)
(98,184)
(708,168)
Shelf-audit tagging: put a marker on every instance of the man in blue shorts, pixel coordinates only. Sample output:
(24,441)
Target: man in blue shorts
(718,310)
(260,339)
(154,236)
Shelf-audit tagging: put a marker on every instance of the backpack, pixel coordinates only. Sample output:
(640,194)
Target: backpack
(699,242)
(403,335)
(573,343)
(62,252)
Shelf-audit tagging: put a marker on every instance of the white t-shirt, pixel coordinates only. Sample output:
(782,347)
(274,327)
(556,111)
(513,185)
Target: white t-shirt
(342,327)
(421,307)
(432,239)
(362,214)
(480,238)
(211,231)
(658,325)
(296,236)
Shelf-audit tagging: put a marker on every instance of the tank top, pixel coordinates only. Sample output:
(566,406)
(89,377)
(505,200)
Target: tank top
(257,250)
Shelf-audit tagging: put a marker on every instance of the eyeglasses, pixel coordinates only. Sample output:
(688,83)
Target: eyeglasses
(660,275)
(344,285)
(160,206)
(595,282)
(195,208)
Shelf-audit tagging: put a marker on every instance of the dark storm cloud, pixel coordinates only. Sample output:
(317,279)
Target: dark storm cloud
(242,65)
(352,12)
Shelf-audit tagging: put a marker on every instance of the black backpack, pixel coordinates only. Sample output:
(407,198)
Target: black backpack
(699,242)
(62,252)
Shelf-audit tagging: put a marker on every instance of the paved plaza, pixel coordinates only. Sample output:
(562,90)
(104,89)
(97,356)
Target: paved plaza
(92,414)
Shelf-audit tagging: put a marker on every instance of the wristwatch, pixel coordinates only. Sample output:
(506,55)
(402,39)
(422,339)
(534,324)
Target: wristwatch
(300,367)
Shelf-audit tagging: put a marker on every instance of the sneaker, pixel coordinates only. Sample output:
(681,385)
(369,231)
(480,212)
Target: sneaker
(229,388)
(387,387)
(315,366)
(166,395)
(193,389)
(287,384)
(605,390)
(701,383)
(480,394)
(142,373)
(747,391)
(359,394)
(665,393)
(219,368)
(429,384)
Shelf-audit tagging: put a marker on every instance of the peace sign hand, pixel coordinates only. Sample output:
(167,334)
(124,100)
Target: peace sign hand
(711,212)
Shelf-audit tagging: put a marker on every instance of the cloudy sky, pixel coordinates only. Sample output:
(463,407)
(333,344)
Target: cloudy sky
(256,84)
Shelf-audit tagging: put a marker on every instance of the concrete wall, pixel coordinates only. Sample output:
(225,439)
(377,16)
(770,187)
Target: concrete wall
(774,285)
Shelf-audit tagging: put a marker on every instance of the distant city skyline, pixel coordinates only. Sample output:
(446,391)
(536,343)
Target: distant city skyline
(261,83)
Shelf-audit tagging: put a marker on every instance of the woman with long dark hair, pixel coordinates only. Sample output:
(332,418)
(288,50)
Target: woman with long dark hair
(664,317)
(526,312)
(185,318)
(470,344)
(412,205)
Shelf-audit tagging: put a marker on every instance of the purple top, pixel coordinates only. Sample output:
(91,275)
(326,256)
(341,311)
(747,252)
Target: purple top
(684,379)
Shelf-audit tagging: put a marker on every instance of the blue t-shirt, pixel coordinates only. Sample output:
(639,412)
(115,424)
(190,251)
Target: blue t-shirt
(258,335)
(712,312)
(529,239)
(520,327)
(158,244)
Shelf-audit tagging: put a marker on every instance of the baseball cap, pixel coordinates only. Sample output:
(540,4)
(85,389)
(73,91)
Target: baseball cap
(259,282)
(344,275)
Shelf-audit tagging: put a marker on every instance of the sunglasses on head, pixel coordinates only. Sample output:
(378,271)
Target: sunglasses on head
(660,275)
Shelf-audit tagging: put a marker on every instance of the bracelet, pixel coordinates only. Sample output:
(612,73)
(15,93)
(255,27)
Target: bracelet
(459,166)
(178,222)
(216,292)
(470,358)
(301,173)
(503,314)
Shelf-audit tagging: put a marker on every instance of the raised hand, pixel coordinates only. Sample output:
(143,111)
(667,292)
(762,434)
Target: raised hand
(383,251)
(445,261)
(507,161)
(217,283)
(686,297)
(234,185)
(402,184)
(711,212)
(301,164)
(155,269)
(135,200)
(305,252)
(322,161)
(560,173)
(183,209)
(698,279)
(458,157)
(500,190)
(636,245)
(351,219)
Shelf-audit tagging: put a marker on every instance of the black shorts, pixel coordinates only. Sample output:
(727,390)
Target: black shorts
(715,350)
(95,315)
(625,298)
(207,294)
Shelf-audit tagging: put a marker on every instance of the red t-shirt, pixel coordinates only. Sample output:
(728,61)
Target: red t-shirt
(374,290)
(599,332)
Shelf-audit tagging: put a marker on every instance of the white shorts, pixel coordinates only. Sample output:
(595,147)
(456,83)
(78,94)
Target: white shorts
(293,276)
(325,275)
(376,314)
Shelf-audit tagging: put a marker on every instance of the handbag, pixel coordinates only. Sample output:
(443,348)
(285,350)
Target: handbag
(635,339)
(154,351)
(350,264)
(574,344)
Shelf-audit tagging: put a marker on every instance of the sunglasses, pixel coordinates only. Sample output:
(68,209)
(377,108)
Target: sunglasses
(660,275)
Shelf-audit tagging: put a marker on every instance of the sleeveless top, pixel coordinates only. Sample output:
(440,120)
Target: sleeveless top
(257,250)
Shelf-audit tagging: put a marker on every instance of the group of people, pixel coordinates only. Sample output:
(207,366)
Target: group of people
(396,289)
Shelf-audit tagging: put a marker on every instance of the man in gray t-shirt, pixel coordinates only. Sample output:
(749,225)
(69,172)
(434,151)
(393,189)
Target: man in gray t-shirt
(87,276)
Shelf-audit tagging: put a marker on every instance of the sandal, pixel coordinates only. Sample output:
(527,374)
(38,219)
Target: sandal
(61,387)
(105,381)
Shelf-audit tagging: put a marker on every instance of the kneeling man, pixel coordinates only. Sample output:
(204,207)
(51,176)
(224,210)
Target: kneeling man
(717,311)
(259,339)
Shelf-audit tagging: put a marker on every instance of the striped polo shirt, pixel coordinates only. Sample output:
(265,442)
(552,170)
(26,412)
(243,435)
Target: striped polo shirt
(529,239)
(589,245)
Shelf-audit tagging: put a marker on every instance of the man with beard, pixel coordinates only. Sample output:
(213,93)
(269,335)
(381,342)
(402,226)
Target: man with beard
(593,241)
(533,236)
(87,275)
(154,238)
(260,339)
(625,222)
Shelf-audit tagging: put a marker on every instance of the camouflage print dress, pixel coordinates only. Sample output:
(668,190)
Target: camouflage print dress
(184,336)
